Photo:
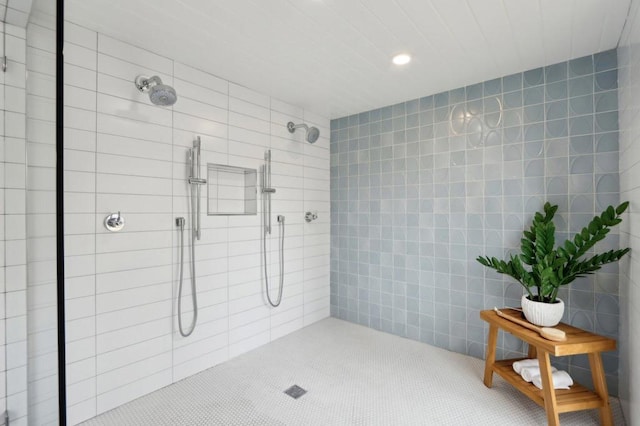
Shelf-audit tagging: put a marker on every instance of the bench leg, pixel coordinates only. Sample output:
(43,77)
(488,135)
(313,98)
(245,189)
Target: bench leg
(548,390)
(532,351)
(600,385)
(491,355)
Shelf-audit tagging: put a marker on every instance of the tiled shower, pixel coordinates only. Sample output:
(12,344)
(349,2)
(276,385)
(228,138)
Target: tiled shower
(422,188)
(125,155)
(406,197)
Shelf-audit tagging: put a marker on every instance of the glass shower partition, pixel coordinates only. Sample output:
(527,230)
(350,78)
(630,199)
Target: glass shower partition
(32,395)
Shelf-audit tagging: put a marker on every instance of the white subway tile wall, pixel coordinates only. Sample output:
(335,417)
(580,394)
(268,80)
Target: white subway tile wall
(13,257)
(629,105)
(422,188)
(123,154)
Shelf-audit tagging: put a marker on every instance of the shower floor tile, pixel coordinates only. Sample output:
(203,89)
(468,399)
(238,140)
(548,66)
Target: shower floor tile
(353,375)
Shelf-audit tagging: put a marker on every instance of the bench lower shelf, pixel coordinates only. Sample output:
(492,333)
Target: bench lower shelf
(575,399)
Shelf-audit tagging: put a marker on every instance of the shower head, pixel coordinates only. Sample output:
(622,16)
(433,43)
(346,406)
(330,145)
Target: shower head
(312,132)
(159,93)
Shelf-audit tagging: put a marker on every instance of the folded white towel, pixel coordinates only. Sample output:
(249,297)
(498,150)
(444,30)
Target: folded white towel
(561,380)
(528,373)
(519,365)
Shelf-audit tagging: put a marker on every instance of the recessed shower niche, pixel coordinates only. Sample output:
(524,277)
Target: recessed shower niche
(231,190)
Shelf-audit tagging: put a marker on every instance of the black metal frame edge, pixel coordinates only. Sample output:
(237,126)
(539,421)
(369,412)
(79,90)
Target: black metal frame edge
(62,377)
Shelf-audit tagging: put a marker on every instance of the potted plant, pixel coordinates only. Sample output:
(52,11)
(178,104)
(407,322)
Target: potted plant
(542,268)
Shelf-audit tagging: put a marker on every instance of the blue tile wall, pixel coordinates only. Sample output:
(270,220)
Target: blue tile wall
(420,189)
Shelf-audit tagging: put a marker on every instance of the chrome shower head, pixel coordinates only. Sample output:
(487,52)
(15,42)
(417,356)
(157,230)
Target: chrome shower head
(312,132)
(159,93)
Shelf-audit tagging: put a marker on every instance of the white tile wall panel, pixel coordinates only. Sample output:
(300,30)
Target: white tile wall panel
(118,300)
(80,56)
(130,317)
(133,54)
(80,350)
(236,349)
(40,155)
(194,90)
(109,243)
(204,79)
(80,286)
(74,181)
(81,391)
(80,140)
(77,266)
(135,129)
(284,111)
(211,337)
(203,110)
(81,328)
(138,111)
(80,77)
(140,149)
(81,307)
(81,411)
(127,336)
(250,109)
(15,73)
(79,35)
(118,358)
(40,64)
(133,372)
(140,170)
(199,126)
(248,95)
(108,400)
(119,280)
(138,203)
(81,370)
(238,134)
(281,330)
(201,363)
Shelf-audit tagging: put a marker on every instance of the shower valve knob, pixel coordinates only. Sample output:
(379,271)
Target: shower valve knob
(114,222)
(310,216)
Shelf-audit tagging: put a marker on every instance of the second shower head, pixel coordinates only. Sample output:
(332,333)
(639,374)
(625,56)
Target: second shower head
(312,132)
(159,93)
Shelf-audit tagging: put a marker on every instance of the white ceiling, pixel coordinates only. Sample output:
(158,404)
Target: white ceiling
(333,57)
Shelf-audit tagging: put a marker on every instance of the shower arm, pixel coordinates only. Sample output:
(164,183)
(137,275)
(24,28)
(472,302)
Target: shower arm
(146,83)
(292,127)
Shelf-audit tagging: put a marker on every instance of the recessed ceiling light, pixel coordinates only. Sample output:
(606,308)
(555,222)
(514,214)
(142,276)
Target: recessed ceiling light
(401,59)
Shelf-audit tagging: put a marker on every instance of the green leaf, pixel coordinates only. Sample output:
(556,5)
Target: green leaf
(570,247)
(611,212)
(585,234)
(622,207)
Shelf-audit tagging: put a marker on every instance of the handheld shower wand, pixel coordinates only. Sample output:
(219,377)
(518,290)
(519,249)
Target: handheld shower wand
(267,190)
(195,181)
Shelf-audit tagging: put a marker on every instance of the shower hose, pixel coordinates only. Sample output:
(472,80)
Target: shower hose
(281,263)
(180,223)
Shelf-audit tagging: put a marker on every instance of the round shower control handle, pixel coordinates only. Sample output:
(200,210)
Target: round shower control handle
(114,222)
(309,216)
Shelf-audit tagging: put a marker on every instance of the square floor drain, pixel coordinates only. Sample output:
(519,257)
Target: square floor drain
(295,391)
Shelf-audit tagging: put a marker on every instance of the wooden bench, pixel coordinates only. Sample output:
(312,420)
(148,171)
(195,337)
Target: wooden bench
(554,401)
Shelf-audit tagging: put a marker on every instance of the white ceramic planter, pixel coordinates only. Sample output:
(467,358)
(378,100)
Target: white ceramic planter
(542,314)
